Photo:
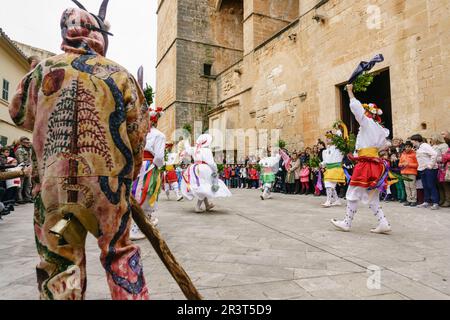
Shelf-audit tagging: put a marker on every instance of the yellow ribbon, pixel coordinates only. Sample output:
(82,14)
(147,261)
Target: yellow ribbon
(344,131)
(155,194)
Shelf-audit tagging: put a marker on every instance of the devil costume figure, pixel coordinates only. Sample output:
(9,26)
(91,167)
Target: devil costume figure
(170,176)
(88,117)
(334,173)
(148,185)
(200,179)
(370,172)
(269,167)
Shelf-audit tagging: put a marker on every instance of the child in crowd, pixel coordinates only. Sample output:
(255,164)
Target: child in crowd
(408,165)
(399,187)
(304,179)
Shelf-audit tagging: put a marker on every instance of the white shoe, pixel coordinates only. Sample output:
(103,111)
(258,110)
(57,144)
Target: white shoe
(423,205)
(210,206)
(336,204)
(340,225)
(199,210)
(136,235)
(326,205)
(383,228)
(180,198)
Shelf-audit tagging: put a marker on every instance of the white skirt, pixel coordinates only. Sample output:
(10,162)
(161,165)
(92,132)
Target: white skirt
(330,184)
(364,195)
(197,183)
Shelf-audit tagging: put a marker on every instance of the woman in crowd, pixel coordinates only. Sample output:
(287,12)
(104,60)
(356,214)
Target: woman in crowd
(439,145)
(428,169)
(290,177)
(243,177)
(296,168)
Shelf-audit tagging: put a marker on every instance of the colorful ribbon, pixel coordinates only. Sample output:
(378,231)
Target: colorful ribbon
(319,181)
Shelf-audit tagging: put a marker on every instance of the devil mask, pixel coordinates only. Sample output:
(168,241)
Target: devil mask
(83,32)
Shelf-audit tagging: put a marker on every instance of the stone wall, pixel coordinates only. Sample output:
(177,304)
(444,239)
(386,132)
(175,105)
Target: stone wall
(204,35)
(166,76)
(167,27)
(264,18)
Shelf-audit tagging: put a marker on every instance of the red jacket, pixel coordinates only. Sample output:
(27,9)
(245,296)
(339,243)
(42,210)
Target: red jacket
(408,162)
(227,173)
(253,174)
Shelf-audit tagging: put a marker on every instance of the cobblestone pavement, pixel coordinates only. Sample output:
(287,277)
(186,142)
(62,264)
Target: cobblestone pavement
(284,248)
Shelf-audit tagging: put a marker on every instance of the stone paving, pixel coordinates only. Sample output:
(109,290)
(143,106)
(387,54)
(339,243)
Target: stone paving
(284,248)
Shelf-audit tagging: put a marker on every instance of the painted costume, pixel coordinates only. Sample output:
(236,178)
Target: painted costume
(171,177)
(147,186)
(269,166)
(370,172)
(88,118)
(201,179)
(334,174)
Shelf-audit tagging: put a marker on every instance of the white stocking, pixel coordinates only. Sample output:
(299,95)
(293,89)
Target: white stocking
(167,188)
(149,212)
(352,208)
(377,211)
(334,196)
(329,195)
(175,188)
(266,191)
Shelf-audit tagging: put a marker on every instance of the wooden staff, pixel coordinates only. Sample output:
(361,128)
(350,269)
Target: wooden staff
(163,251)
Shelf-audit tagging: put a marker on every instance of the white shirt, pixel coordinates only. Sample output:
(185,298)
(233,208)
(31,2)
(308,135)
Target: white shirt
(155,144)
(426,157)
(371,134)
(243,172)
(332,155)
(203,154)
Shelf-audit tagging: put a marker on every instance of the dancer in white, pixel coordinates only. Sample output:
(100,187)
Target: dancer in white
(369,173)
(270,166)
(201,179)
(334,173)
(170,176)
(147,187)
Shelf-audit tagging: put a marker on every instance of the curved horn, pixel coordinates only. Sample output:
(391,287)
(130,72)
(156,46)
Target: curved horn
(102,11)
(140,75)
(79,5)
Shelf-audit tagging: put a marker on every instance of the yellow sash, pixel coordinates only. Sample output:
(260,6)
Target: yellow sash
(368,152)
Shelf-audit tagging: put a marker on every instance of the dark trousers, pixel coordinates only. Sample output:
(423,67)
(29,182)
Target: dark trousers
(429,181)
(282,176)
(24,192)
(297,186)
(290,188)
(10,196)
(305,187)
